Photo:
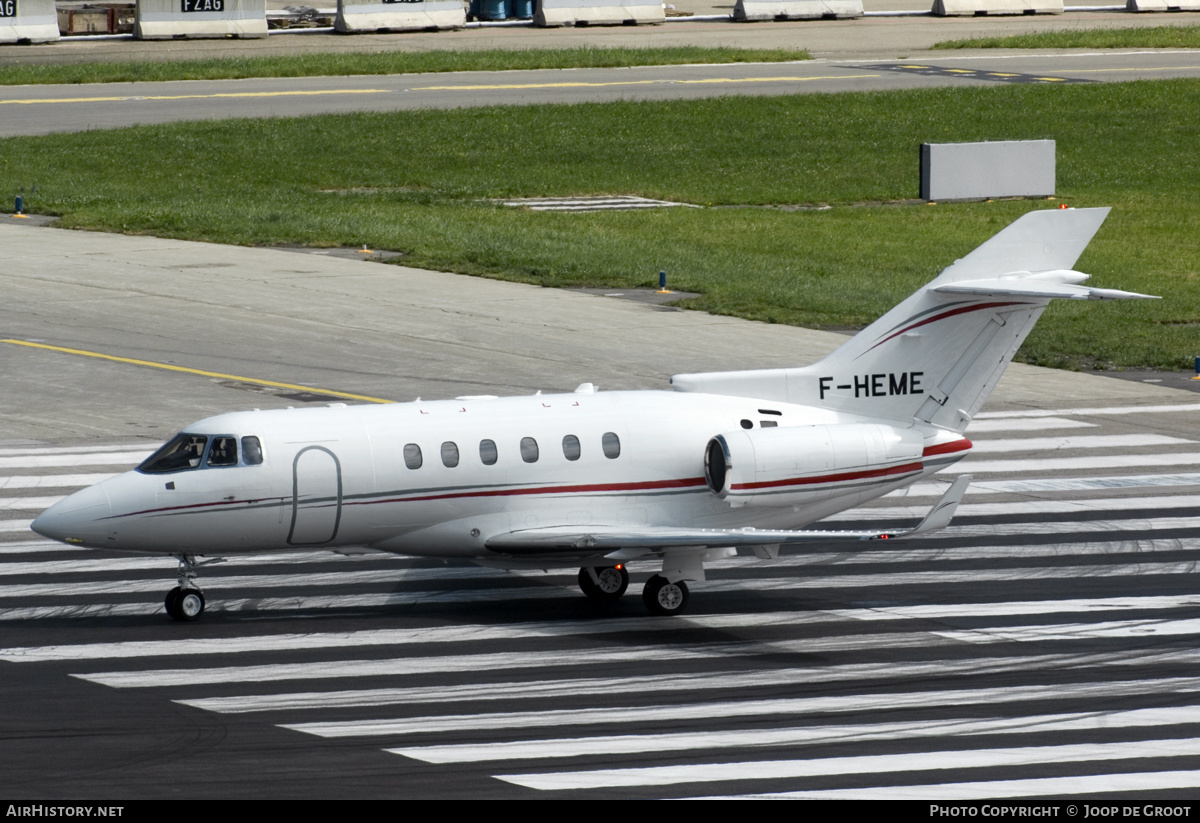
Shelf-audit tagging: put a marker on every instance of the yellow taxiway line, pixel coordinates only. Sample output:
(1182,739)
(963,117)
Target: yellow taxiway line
(489,87)
(663,82)
(168,367)
(216,95)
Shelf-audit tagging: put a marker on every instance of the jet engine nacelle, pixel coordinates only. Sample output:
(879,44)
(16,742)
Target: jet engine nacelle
(789,465)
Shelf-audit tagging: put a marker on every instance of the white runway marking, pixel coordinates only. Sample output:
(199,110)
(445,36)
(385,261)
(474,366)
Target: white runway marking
(1054,484)
(603,717)
(51,481)
(1064,464)
(321,670)
(802,736)
(41,461)
(1051,444)
(866,764)
(1102,784)
(28,504)
(1025,424)
(145,448)
(1088,412)
(1028,507)
(1094,664)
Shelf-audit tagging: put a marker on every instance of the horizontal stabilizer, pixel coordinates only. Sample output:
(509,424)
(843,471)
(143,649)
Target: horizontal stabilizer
(607,539)
(1053,284)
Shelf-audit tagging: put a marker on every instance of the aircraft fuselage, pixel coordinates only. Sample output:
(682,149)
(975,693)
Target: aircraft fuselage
(441,478)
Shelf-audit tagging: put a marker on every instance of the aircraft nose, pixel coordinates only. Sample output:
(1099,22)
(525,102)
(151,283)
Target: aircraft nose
(78,519)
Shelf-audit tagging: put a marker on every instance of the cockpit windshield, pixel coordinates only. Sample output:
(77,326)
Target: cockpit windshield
(184,451)
(188,451)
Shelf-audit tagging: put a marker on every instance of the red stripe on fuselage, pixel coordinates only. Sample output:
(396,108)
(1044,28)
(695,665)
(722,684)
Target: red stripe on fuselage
(891,471)
(960,445)
(650,485)
(953,447)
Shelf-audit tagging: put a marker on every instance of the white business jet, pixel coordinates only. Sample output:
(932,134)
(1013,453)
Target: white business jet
(598,479)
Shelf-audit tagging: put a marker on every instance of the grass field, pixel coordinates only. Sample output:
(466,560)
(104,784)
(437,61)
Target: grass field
(392,62)
(424,183)
(1163,37)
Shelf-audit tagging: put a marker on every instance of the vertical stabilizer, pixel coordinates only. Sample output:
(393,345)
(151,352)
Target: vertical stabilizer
(937,356)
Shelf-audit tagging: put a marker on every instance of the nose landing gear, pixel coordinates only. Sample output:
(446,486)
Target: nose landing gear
(185,602)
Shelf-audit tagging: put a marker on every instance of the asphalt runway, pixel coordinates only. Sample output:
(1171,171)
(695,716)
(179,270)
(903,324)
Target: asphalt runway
(1043,645)
(866,54)
(37,110)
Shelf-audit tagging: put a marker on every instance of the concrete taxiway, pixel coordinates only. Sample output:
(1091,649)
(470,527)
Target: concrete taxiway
(49,109)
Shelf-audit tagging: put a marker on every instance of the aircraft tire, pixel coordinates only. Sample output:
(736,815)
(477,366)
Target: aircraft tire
(614,580)
(662,597)
(172,603)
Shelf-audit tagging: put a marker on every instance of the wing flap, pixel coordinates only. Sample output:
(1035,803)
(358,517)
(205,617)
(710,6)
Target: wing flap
(611,539)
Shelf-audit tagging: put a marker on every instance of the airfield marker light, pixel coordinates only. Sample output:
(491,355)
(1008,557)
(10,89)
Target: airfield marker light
(19,210)
(1197,377)
(1063,206)
(365,250)
(662,283)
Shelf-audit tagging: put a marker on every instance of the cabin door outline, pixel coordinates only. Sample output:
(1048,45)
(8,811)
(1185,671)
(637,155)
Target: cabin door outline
(316,497)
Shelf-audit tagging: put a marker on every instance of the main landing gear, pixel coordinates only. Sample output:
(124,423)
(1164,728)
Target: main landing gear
(606,585)
(661,596)
(185,602)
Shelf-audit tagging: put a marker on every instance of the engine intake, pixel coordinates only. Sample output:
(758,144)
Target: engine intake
(786,466)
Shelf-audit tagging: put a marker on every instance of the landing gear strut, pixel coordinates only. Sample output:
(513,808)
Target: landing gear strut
(663,597)
(185,602)
(604,585)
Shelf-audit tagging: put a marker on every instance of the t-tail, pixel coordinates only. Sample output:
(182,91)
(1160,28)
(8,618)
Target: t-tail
(937,356)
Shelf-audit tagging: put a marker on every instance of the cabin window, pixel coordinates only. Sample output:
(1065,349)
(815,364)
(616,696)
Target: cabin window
(449,454)
(412,456)
(611,445)
(571,447)
(180,453)
(223,452)
(529,450)
(251,451)
(487,452)
(746,424)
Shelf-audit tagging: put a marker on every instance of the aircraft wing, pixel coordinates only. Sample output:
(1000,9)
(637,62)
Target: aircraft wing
(606,539)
